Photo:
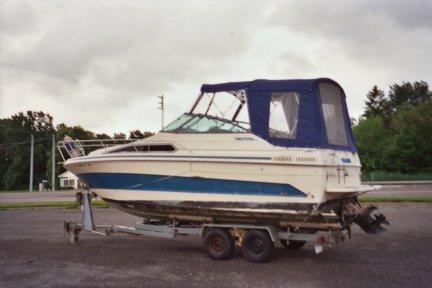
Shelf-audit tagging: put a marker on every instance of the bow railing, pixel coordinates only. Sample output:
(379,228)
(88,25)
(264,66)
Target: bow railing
(72,148)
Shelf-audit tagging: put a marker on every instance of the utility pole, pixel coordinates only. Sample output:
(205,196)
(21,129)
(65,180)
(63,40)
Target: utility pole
(31,163)
(53,166)
(162,108)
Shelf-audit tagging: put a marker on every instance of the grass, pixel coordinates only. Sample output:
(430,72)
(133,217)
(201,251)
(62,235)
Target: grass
(397,199)
(394,176)
(49,204)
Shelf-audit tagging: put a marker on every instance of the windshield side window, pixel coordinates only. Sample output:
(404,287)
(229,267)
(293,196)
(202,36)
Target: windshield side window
(144,148)
(284,109)
(202,124)
(331,103)
(177,123)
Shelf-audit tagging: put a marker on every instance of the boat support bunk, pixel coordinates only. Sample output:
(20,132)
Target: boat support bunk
(257,242)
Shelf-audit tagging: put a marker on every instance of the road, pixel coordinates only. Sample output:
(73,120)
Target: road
(21,197)
(33,253)
(403,190)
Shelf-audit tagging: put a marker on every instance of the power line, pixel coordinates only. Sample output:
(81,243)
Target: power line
(74,81)
(39,72)
(74,89)
(6,146)
(43,139)
(25,141)
(11,145)
(63,95)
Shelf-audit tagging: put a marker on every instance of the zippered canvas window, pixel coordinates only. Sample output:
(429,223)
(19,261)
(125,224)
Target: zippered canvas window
(331,103)
(283,119)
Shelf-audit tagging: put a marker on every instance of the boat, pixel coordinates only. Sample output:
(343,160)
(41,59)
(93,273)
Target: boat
(277,152)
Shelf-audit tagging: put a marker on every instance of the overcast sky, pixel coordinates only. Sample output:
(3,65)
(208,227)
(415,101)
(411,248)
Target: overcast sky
(102,64)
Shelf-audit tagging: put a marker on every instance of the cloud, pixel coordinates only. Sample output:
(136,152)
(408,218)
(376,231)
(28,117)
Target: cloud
(372,33)
(112,59)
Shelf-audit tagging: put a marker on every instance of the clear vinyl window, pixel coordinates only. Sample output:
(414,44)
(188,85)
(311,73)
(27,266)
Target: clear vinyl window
(190,123)
(331,103)
(284,109)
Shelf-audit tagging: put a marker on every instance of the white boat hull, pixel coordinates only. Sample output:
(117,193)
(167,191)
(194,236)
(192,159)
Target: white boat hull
(264,180)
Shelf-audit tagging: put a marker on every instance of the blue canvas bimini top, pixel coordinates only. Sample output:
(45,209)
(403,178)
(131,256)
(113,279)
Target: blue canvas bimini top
(322,111)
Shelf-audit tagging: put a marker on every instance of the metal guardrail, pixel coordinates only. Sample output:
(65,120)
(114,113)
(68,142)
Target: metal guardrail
(418,182)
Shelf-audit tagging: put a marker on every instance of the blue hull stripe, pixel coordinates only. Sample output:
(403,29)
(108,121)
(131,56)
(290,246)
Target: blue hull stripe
(187,184)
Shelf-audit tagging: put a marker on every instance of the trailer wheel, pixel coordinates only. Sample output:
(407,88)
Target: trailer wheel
(292,244)
(257,246)
(219,244)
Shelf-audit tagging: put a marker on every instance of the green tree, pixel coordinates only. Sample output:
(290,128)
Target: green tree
(15,133)
(15,136)
(408,93)
(372,141)
(376,103)
(75,132)
(411,127)
(103,136)
(119,136)
(137,134)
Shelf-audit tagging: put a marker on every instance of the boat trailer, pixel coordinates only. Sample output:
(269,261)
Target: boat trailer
(256,241)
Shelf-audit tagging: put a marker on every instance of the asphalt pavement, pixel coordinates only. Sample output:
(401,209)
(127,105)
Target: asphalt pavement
(34,253)
(22,197)
(403,190)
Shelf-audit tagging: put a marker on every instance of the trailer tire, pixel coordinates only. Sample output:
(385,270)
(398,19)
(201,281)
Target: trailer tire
(292,244)
(257,246)
(219,244)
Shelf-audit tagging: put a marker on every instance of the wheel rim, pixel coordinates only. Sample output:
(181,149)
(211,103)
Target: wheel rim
(216,244)
(257,246)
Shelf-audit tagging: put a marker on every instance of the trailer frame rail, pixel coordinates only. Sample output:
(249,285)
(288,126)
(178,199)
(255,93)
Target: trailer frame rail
(175,229)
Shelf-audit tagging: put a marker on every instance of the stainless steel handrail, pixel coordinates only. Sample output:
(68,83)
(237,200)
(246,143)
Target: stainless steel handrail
(77,148)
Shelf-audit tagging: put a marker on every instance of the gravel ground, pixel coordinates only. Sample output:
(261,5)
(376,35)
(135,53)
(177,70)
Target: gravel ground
(34,252)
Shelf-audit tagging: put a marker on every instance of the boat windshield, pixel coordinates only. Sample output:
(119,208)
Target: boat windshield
(199,123)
